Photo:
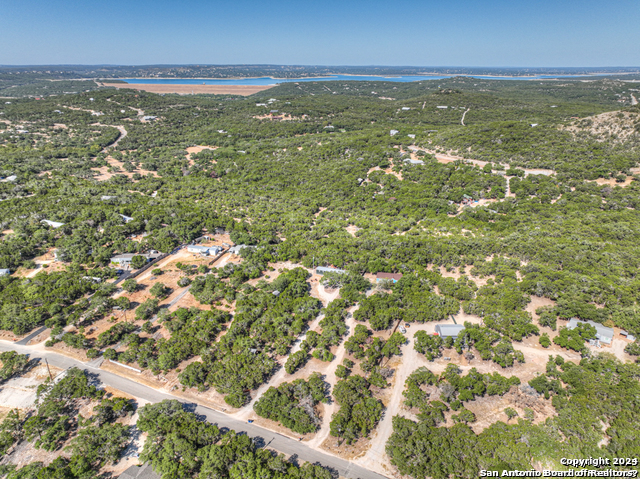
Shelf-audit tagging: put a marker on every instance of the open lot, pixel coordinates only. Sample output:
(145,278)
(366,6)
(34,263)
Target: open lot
(243,90)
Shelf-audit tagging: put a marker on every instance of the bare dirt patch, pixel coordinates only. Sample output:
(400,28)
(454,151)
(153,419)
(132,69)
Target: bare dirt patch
(345,451)
(490,409)
(277,117)
(62,348)
(615,126)
(192,150)
(352,229)
(20,392)
(538,302)
(613,182)
(118,169)
(169,383)
(243,90)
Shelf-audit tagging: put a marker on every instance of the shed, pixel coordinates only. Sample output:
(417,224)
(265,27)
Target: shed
(5,272)
(126,219)
(53,224)
(603,334)
(414,162)
(449,330)
(393,132)
(395,277)
(322,270)
(405,108)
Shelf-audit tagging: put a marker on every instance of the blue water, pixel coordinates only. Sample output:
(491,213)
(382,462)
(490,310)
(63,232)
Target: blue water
(273,81)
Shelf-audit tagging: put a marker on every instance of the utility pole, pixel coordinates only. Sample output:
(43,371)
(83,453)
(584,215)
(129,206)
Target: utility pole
(48,369)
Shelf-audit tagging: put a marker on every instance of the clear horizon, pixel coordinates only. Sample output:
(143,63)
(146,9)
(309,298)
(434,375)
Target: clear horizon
(563,33)
(310,65)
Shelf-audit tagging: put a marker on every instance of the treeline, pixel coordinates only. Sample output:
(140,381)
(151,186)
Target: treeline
(422,448)
(265,325)
(294,404)
(91,442)
(180,445)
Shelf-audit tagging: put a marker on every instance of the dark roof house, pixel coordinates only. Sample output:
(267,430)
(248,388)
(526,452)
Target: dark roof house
(139,472)
(395,277)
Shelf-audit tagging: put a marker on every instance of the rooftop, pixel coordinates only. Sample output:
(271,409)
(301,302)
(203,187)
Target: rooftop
(328,269)
(139,472)
(446,330)
(394,276)
(53,224)
(603,333)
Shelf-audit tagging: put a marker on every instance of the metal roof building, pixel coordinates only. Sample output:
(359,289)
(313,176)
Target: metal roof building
(125,259)
(449,330)
(139,472)
(5,272)
(603,334)
(324,270)
(53,224)
(204,250)
(239,247)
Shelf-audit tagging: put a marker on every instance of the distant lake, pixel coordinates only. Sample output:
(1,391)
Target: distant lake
(273,81)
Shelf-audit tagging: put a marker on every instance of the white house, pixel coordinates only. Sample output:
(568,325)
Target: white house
(322,270)
(204,250)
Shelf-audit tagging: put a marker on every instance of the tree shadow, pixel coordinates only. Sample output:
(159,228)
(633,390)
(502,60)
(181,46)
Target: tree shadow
(93,379)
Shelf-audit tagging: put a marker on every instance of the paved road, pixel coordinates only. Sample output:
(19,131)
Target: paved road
(276,441)
(28,338)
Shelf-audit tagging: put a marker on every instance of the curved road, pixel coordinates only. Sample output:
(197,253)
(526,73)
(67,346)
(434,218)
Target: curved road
(463,115)
(274,440)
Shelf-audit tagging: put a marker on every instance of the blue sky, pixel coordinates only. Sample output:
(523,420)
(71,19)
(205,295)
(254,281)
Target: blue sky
(330,32)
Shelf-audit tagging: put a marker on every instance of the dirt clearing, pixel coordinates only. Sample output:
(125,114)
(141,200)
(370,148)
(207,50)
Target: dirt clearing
(243,90)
